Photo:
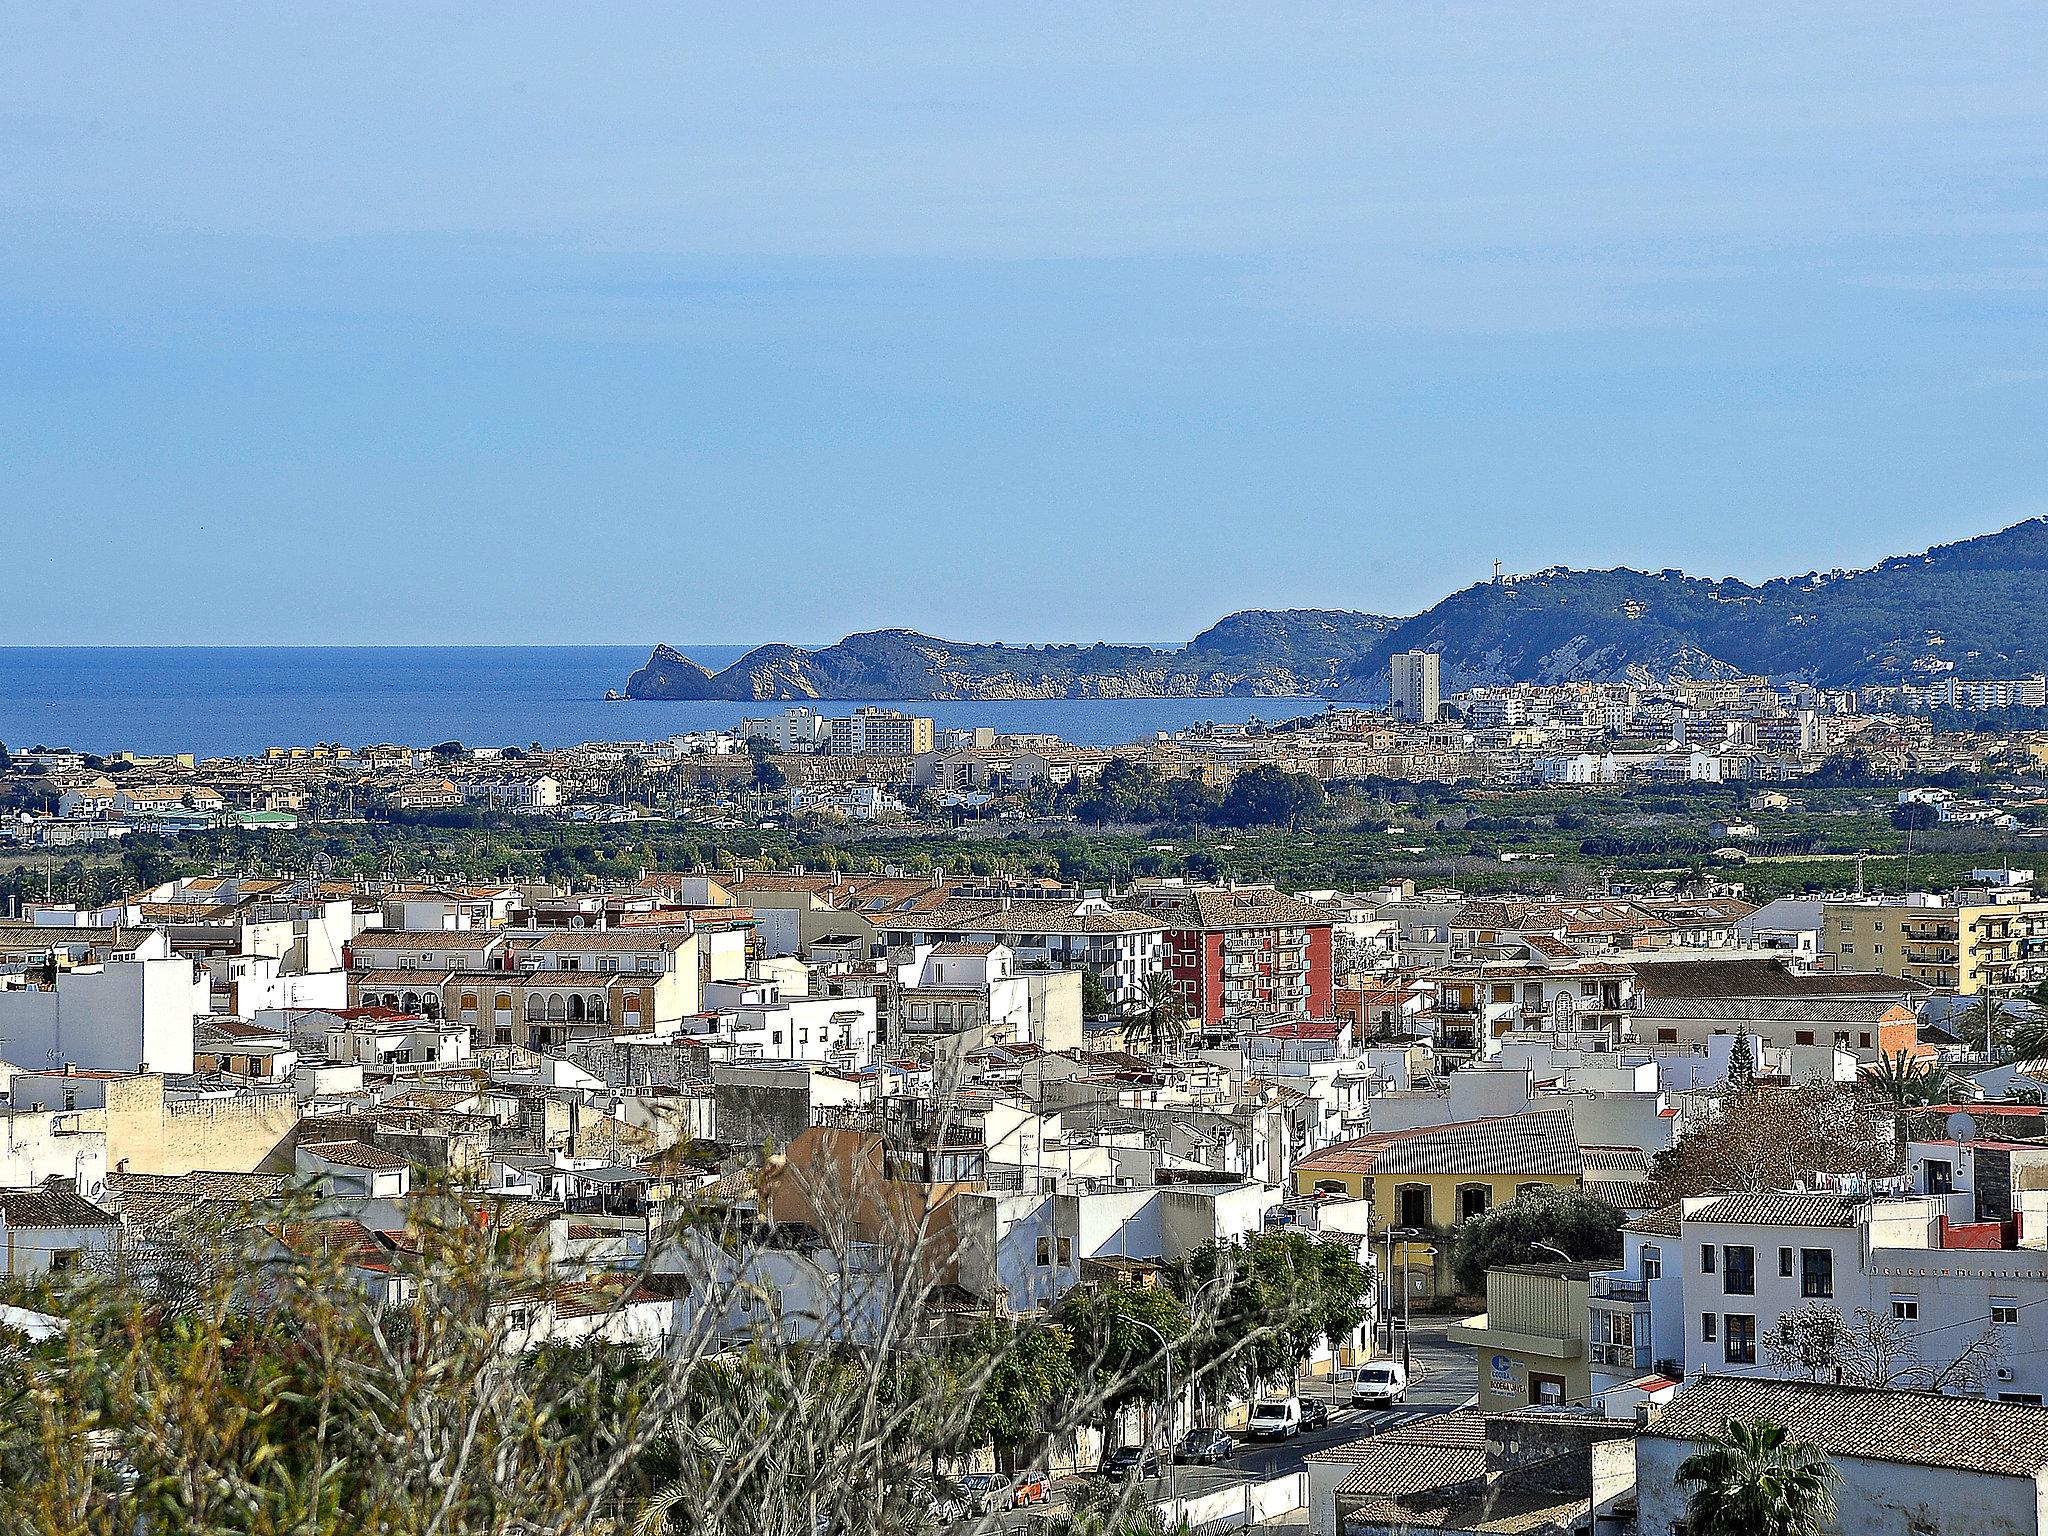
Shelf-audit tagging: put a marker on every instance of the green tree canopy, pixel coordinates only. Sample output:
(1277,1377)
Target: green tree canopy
(1276,1296)
(1114,1356)
(1016,1375)
(1583,1225)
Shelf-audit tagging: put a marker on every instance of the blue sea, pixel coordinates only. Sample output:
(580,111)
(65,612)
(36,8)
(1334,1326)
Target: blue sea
(235,700)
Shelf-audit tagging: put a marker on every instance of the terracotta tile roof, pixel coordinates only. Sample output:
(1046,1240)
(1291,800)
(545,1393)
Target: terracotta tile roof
(1772,1208)
(354,1154)
(1538,1142)
(1919,1429)
(1669,979)
(51,1206)
(1216,908)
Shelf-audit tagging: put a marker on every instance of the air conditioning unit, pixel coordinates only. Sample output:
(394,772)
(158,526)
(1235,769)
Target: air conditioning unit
(2004,1373)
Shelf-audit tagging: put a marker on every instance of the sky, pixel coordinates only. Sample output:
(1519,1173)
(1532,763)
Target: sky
(498,323)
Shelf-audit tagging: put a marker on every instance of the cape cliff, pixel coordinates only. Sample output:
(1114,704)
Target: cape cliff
(1979,607)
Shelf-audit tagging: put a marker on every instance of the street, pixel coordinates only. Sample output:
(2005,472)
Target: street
(1442,1376)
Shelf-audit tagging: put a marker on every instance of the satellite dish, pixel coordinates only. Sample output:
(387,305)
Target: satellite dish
(1962,1127)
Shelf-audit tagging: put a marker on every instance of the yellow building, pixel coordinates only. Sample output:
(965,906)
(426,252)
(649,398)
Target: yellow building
(1954,945)
(1435,1176)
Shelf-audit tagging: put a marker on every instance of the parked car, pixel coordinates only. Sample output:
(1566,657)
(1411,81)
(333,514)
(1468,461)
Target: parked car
(983,1493)
(1275,1418)
(1030,1488)
(1207,1447)
(1315,1413)
(1131,1461)
(1379,1384)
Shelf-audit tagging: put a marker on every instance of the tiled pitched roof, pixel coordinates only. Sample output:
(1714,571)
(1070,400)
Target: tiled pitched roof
(1657,1223)
(1215,908)
(1766,1010)
(353,1154)
(1779,1209)
(1922,1429)
(1539,1142)
(1659,980)
(51,1206)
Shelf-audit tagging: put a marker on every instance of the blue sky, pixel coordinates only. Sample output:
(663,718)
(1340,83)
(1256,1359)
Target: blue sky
(421,323)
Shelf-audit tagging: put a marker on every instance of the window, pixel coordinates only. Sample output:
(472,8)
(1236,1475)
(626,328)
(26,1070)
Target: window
(1802,1037)
(2005,1310)
(1045,1253)
(1473,1200)
(1707,1257)
(1785,1263)
(1412,1205)
(1707,1326)
(1905,1309)
(1941,1176)
(1653,1262)
(1066,1252)
(1667,1037)
(1738,1270)
(1738,1344)
(1816,1272)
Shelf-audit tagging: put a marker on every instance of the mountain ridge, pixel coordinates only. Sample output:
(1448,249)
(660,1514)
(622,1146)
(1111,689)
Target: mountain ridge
(1975,605)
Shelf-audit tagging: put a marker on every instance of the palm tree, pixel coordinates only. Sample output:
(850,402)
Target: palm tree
(1160,1016)
(1902,1084)
(1754,1479)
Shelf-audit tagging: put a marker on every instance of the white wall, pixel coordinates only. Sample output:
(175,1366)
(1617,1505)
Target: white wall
(110,1018)
(1874,1498)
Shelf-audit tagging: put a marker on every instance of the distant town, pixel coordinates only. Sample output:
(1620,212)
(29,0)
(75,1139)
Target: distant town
(1678,1056)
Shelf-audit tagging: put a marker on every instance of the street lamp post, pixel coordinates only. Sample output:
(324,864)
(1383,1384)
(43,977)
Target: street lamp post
(1166,1359)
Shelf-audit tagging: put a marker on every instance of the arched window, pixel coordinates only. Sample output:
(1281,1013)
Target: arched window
(557,1009)
(411,1002)
(596,1009)
(536,1008)
(575,1006)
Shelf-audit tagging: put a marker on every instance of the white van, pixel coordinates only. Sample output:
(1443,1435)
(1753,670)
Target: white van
(1379,1384)
(1275,1418)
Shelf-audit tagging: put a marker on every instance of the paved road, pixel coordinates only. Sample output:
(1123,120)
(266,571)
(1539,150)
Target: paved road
(1443,1376)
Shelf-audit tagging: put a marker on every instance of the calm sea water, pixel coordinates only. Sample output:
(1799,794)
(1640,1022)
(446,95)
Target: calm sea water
(232,700)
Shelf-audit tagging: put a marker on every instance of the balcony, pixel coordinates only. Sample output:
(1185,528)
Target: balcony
(1625,1357)
(1619,1287)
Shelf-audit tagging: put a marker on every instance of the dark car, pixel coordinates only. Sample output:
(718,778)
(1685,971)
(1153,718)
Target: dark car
(1315,1413)
(1131,1461)
(1207,1447)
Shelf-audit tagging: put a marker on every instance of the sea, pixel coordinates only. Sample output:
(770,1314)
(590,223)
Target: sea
(230,701)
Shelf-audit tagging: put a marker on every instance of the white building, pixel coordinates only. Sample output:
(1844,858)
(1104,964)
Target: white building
(1907,1462)
(1415,685)
(125,1014)
(755,1022)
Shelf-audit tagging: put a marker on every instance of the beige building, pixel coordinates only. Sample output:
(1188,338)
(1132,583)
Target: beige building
(1531,1339)
(1961,943)
(871,729)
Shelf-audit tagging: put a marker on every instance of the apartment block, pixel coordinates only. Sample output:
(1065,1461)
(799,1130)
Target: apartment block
(1958,943)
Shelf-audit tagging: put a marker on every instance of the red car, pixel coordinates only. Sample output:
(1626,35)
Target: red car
(1032,1488)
